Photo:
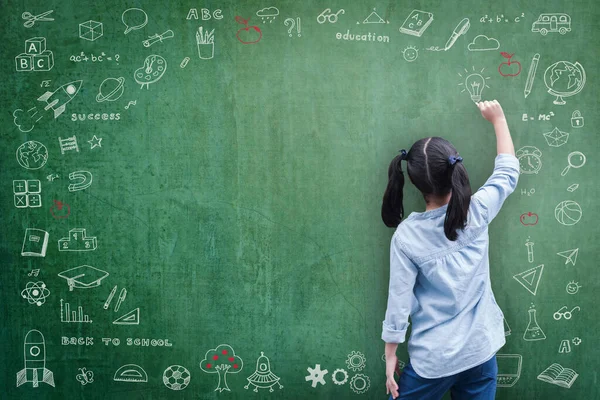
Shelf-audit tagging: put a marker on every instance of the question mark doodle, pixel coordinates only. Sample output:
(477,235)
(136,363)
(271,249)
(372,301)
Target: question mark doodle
(296,24)
(117,58)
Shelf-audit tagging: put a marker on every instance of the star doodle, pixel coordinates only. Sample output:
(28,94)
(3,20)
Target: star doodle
(95,142)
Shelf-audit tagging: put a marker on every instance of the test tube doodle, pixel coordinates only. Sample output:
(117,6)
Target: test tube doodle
(529,244)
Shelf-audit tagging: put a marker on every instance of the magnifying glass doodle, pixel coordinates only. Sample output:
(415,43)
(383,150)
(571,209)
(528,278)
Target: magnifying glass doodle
(576,159)
(134,18)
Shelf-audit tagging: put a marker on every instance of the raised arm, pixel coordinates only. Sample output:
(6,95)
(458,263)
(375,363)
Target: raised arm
(492,111)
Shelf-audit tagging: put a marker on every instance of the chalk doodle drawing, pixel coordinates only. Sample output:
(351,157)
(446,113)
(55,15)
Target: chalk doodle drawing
(374,18)
(78,241)
(530,279)
(95,142)
(176,377)
(509,369)
(158,38)
(293,24)
(205,41)
(268,14)
(533,332)
(32,155)
(68,144)
(531,74)
(221,360)
(36,56)
(72,316)
(460,29)
(134,18)
(576,341)
(569,255)
(91,30)
(510,67)
(564,347)
(110,297)
(410,53)
(529,244)
(568,212)
(35,370)
(83,57)
(121,299)
(564,79)
(416,23)
(328,15)
(483,43)
(131,103)
(84,178)
(559,314)
(573,287)
(573,187)
(248,34)
(27,193)
(263,378)
(356,361)
(205,13)
(338,381)
(83,277)
(35,293)
(35,243)
(32,19)
(111,89)
(130,373)
(474,83)
(34,272)
(556,374)
(507,330)
(130,318)
(184,62)
(84,377)
(52,177)
(575,159)
(556,137)
(154,68)
(316,375)
(552,22)
(360,383)
(577,120)
(530,159)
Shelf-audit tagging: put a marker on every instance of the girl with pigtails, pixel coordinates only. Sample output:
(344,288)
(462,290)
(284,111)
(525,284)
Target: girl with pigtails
(439,270)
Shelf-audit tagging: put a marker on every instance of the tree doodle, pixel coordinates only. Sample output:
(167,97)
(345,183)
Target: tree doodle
(221,360)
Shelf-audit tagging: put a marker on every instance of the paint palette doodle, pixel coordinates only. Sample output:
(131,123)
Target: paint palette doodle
(154,68)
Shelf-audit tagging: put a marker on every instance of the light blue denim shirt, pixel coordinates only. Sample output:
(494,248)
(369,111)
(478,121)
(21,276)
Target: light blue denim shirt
(444,286)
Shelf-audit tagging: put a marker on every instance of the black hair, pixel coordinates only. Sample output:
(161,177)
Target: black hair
(435,168)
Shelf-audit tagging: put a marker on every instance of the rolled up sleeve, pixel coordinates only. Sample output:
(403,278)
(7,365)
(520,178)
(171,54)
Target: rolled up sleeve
(499,185)
(403,274)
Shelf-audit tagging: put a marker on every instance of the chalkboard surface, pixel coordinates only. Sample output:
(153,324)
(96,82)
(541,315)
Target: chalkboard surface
(192,190)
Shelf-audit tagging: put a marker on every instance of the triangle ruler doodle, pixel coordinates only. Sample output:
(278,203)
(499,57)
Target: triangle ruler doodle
(131,318)
(570,255)
(530,279)
(374,18)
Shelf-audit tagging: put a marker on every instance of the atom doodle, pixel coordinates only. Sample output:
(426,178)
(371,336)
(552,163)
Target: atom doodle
(35,293)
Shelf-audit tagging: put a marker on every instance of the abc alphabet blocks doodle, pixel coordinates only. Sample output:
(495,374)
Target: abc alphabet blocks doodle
(36,57)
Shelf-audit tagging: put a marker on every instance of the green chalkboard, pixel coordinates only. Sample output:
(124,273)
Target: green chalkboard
(195,213)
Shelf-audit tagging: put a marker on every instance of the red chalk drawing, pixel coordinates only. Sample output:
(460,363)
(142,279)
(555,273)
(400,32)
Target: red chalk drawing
(60,210)
(509,68)
(249,34)
(529,218)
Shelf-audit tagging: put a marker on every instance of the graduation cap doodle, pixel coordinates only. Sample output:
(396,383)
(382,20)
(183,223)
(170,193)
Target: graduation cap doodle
(83,277)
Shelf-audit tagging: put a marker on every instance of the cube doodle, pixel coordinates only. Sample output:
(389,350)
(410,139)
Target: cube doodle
(36,45)
(91,30)
(36,56)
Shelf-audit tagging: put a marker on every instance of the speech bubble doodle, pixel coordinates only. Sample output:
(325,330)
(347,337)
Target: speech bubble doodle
(134,18)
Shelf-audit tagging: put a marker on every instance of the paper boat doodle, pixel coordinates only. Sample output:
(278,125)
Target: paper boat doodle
(83,277)
(131,373)
(35,370)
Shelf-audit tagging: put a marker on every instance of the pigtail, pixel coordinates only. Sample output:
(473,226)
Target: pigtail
(392,209)
(458,207)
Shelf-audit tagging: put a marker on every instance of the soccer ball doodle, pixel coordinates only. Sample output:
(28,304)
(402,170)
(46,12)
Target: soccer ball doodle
(176,377)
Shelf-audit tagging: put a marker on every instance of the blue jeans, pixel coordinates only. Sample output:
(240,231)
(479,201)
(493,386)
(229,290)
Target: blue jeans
(477,383)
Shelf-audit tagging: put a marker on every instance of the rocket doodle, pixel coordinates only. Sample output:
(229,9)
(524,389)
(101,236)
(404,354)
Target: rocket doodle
(35,370)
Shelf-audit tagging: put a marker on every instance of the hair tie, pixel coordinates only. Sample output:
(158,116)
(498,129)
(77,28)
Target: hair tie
(453,160)
(403,153)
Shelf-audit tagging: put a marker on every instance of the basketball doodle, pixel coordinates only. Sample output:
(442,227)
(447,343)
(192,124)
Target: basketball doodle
(568,212)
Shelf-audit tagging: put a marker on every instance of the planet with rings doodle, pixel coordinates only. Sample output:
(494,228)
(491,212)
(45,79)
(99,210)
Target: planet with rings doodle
(111,89)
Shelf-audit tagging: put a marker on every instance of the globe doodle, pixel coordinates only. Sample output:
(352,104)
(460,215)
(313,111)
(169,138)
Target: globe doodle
(32,155)
(564,79)
(35,293)
(111,89)
(568,212)
(176,377)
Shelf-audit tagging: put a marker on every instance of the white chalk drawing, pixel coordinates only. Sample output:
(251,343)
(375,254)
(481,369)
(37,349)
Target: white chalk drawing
(328,15)
(530,279)
(110,297)
(268,14)
(35,243)
(374,18)
(78,241)
(205,41)
(91,30)
(111,89)
(32,155)
(34,272)
(531,74)
(35,293)
(83,277)
(509,369)
(293,24)
(533,332)
(36,56)
(68,144)
(130,373)
(158,38)
(529,244)
(27,193)
(474,83)
(575,159)
(410,53)
(154,68)
(52,177)
(460,29)
(344,376)
(356,361)
(569,255)
(205,14)
(577,120)
(316,375)
(263,378)
(221,360)
(130,318)
(134,18)
(120,299)
(568,212)
(184,62)
(176,377)
(32,19)
(564,79)
(573,287)
(530,159)
(360,383)
(95,142)
(560,313)
(573,187)
(73,316)
(84,377)
(564,347)
(556,374)
(131,103)
(552,22)
(35,370)
(556,137)
(507,330)
(576,341)
(84,179)
(416,23)
(483,43)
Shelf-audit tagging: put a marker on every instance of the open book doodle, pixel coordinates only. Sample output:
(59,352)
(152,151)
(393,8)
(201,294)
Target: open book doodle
(558,375)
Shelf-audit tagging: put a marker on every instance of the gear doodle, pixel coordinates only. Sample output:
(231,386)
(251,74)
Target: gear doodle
(360,383)
(341,371)
(356,361)
(576,341)
(316,375)
(35,293)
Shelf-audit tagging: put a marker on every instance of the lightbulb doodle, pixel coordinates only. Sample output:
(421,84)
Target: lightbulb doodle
(474,83)
(35,293)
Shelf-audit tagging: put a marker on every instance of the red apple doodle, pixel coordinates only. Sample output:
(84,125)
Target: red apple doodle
(249,34)
(529,218)
(511,66)
(60,210)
